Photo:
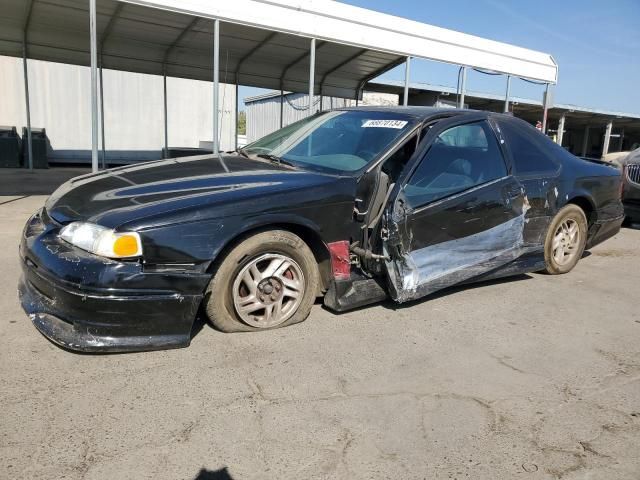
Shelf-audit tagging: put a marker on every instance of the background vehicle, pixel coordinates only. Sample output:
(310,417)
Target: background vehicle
(629,163)
(355,204)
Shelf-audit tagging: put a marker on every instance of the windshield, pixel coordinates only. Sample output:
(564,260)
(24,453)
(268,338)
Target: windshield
(343,141)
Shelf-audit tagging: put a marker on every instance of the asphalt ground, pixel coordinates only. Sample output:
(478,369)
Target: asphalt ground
(535,377)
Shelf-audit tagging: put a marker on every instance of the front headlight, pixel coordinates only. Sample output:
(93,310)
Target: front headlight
(102,241)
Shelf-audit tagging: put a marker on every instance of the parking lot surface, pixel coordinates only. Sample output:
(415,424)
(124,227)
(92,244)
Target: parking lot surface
(536,377)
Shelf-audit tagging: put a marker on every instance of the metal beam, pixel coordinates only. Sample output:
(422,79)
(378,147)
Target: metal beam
(94,85)
(103,148)
(252,52)
(166,115)
(560,130)
(105,35)
(165,57)
(336,68)
(281,108)
(216,84)
(377,73)
(463,87)
(407,79)
(110,23)
(341,64)
(177,40)
(507,94)
(312,74)
(288,67)
(27,104)
(25,29)
(236,118)
(545,111)
(585,141)
(621,140)
(607,139)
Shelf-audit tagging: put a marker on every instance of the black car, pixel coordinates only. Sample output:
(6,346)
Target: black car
(355,205)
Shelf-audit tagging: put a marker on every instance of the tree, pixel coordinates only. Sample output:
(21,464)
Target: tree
(242,123)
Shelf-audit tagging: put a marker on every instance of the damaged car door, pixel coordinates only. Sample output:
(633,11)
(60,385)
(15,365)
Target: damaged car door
(457,212)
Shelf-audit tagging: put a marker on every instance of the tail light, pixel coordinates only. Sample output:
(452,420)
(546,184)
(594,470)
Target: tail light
(340,262)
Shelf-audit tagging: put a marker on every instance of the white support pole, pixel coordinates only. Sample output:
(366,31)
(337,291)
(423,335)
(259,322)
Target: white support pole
(607,139)
(103,148)
(507,94)
(545,110)
(281,108)
(94,85)
(216,84)
(166,114)
(312,74)
(26,98)
(463,87)
(585,141)
(236,117)
(407,79)
(560,130)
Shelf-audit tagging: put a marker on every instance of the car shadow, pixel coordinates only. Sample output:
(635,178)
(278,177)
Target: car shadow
(199,323)
(222,474)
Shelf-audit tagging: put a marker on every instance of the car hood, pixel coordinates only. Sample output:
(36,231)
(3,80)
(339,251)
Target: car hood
(156,189)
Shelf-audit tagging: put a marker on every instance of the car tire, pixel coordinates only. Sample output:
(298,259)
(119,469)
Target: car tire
(565,241)
(267,281)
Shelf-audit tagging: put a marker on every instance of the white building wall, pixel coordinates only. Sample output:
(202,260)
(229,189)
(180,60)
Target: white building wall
(263,112)
(263,115)
(133,103)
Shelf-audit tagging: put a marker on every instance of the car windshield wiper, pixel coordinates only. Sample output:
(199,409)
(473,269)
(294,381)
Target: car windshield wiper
(240,151)
(275,159)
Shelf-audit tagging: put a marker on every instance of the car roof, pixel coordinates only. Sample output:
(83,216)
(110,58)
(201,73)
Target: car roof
(418,112)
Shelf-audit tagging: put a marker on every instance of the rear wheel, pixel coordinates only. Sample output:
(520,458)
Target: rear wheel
(566,239)
(267,281)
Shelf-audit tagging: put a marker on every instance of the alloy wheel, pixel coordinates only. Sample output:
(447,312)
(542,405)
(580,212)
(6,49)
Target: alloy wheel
(268,290)
(566,242)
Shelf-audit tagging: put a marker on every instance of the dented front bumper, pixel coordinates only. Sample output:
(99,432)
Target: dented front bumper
(84,302)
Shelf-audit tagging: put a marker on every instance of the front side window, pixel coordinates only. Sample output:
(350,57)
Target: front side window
(338,141)
(460,158)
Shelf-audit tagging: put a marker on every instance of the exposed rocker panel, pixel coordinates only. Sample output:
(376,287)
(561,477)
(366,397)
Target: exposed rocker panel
(349,294)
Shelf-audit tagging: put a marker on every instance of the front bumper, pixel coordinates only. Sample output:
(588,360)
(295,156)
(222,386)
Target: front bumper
(87,303)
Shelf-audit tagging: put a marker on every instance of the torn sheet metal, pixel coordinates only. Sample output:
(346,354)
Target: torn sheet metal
(432,268)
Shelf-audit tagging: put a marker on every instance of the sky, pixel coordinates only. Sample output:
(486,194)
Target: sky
(596,44)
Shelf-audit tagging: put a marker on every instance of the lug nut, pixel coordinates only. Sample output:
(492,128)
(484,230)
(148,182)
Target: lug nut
(273,297)
(262,298)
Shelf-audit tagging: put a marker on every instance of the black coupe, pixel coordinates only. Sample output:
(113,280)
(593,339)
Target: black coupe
(353,205)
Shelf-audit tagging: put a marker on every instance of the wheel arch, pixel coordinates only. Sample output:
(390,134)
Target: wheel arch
(306,232)
(586,203)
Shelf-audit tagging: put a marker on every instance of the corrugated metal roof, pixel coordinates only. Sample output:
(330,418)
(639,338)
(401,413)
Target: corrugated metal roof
(491,96)
(264,43)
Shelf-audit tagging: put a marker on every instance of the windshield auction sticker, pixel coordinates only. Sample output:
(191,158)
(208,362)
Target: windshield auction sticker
(384,124)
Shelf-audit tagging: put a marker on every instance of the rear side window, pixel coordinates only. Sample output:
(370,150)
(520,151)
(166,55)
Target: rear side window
(460,158)
(527,146)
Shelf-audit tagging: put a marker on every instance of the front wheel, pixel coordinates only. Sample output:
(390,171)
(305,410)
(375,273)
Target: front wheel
(566,240)
(269,280)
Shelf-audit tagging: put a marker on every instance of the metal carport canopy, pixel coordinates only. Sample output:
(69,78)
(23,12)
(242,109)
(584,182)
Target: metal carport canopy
(263,43)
